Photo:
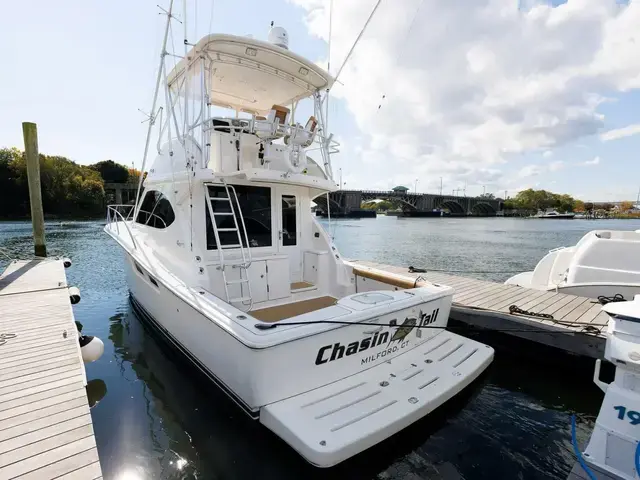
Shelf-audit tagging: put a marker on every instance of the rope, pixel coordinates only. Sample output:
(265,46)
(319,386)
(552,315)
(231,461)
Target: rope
(404,40)
(270,326)
(6,336)
(514,309)
(424,270)
(576,450)
(603,300)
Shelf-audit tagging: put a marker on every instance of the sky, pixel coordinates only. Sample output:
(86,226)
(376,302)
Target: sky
(479,95)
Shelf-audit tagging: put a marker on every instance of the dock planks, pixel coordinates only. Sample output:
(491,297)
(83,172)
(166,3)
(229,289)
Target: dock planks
(46,430)
(486,304)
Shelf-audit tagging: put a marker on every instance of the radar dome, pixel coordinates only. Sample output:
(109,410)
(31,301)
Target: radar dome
(279,36)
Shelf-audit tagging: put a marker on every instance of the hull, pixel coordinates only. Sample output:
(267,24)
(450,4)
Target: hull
(253,377)
(589,290)
(332,394)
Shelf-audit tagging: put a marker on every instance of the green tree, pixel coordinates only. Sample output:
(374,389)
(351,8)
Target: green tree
(534,200)
(68,189)
(111,172)
(626,206)
(579,206)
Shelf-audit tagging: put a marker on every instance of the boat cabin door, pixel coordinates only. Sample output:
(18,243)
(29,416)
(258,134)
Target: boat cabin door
(289,230)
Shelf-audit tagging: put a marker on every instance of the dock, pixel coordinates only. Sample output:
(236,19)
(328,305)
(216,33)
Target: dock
(485,304)
(46,430)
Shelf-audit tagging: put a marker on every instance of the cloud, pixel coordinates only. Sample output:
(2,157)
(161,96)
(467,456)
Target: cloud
(530,171)
(547,154)
(557,165)
(535,170)
(621,132)
(469,86)
(589,163)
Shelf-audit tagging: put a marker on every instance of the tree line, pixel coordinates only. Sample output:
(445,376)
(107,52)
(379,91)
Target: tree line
(533,200)
(68,189)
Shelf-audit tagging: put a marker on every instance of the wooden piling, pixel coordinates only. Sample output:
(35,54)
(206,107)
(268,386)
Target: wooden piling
(30,133)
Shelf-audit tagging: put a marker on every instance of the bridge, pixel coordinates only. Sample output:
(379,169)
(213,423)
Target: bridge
(121,193)
(345,201)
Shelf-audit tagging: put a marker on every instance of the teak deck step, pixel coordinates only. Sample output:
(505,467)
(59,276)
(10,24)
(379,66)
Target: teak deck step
(300,285)
(280,312)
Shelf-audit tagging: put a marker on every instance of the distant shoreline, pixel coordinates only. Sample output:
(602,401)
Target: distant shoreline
(55,218)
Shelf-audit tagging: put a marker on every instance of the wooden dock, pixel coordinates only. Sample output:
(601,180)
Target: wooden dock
(486,304)
(45,424)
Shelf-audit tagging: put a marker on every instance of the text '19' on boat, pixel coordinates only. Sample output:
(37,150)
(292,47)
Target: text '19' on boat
(224,258)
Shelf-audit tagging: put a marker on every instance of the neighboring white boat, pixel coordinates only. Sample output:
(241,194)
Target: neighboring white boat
(602,263)
(613,452)
(553,214)
(224,258)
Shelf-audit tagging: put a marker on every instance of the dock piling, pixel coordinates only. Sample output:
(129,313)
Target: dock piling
(30,134)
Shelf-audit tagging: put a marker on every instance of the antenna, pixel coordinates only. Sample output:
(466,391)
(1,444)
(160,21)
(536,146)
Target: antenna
(326,115)
(155,99)
(150,117)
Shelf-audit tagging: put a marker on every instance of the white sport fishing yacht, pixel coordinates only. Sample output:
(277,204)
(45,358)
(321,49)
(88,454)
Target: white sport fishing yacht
(225,259)
(603,263)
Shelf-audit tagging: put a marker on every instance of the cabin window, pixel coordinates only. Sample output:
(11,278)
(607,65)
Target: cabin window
(155,211)
(289,231)
(255,205)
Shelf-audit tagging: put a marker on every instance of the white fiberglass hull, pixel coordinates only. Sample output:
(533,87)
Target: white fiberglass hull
(275,383)
(588,290)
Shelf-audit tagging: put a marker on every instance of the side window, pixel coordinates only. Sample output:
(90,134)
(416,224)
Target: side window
(255,205)
(155,211)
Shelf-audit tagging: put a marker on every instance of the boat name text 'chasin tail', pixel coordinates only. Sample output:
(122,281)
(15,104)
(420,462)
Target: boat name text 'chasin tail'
(329,353)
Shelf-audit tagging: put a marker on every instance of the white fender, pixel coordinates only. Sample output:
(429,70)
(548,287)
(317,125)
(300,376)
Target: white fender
(91,348)
(74,295)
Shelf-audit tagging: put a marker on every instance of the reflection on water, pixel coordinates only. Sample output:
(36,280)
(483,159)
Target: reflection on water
(155,417)
(96,390)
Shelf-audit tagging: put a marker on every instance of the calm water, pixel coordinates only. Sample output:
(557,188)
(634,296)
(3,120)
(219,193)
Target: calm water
(155,417)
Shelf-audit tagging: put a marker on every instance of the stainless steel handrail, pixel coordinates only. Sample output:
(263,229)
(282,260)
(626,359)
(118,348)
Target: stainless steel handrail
(114,215)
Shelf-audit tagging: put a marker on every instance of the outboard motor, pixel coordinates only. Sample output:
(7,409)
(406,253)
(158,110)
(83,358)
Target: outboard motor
(614,447)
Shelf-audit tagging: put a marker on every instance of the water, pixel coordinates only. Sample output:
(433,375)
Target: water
(154,417)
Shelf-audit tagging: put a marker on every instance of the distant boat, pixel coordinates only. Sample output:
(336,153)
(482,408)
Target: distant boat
(555,215)
(602,263)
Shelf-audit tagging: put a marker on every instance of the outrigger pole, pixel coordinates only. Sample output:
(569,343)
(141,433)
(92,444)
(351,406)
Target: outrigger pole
(163,53)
